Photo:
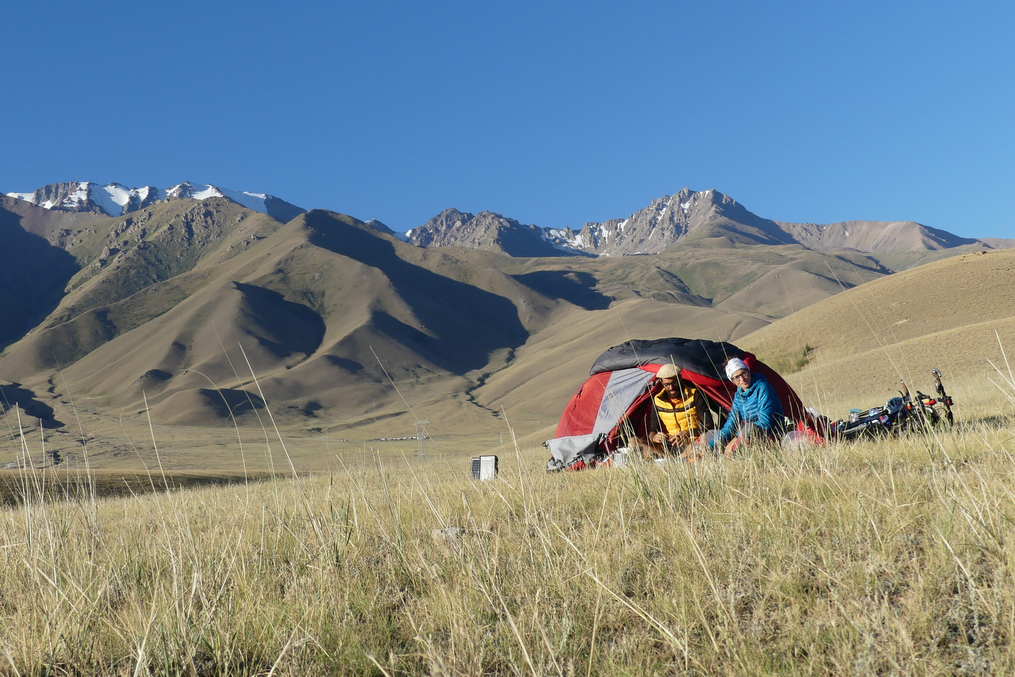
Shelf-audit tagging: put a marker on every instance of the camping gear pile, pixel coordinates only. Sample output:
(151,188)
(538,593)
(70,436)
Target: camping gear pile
(613,407)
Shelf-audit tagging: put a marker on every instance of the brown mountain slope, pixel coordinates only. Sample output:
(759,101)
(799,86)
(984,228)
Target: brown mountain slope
(860,343)
(84,261)
(45,223)
(463,333)
(33,272)
(766,282)
(123,255)
(662,295)
(874,236)
(311,304)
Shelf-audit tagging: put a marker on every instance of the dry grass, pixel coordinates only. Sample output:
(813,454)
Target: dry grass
(888,558)
(953,315)
(75,485)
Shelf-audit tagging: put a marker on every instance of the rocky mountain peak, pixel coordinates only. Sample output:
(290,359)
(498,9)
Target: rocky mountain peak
(112,199)
(650,230)
(115,199)
(687,215)
(485,230)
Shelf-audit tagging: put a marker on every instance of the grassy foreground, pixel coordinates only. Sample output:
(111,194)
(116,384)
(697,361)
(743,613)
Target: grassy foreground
(877,558)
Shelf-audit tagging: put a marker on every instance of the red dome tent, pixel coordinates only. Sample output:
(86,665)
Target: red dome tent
(622,381)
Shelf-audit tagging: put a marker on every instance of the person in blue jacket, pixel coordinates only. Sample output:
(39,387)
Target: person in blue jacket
(756,412)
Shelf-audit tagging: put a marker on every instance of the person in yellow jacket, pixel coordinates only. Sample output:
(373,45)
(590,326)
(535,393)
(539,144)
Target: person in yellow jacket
(681,415)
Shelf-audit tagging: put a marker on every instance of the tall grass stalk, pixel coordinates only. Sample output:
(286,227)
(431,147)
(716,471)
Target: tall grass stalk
(84,447)
(311,516)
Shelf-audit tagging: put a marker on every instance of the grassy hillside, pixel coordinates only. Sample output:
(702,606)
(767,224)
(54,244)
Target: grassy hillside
(696,292)
(695,274)
(948,315)
(323,308)
(871,558)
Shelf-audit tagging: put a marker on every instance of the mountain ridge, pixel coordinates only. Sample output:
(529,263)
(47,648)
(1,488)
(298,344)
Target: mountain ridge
(114,199)
(485,230)
(687,217)
(691,218)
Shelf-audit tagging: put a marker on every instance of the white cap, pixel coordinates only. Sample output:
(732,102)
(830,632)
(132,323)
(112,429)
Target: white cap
(733,366)
(667,371)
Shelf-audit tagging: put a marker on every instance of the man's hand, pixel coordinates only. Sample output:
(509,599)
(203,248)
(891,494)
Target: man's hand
(657,438)
(680,439)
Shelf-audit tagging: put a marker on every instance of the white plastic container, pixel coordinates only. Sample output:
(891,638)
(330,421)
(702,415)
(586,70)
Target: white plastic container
(484,468)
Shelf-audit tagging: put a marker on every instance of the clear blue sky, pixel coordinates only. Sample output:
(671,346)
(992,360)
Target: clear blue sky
(553,113)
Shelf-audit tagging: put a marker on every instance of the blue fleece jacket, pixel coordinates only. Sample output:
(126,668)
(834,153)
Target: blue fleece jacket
(758,405)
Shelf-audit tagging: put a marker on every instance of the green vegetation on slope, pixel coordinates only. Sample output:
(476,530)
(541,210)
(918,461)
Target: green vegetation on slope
(788,361)
(122,256)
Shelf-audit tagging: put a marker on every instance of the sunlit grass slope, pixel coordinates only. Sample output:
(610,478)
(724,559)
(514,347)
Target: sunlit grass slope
(879,558)
(953,315)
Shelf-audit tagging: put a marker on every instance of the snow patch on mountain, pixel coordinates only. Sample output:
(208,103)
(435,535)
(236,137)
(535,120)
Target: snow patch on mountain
(115,199)
(254,201)
(205,193)
(78,197)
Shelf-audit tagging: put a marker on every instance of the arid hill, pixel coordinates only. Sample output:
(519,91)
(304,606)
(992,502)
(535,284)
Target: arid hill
(857,345)
(876,236)
(310,304)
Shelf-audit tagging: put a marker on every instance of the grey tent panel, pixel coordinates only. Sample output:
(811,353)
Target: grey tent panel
(622,390)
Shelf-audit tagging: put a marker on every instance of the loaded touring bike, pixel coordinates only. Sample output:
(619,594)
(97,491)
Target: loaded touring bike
(900,414)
